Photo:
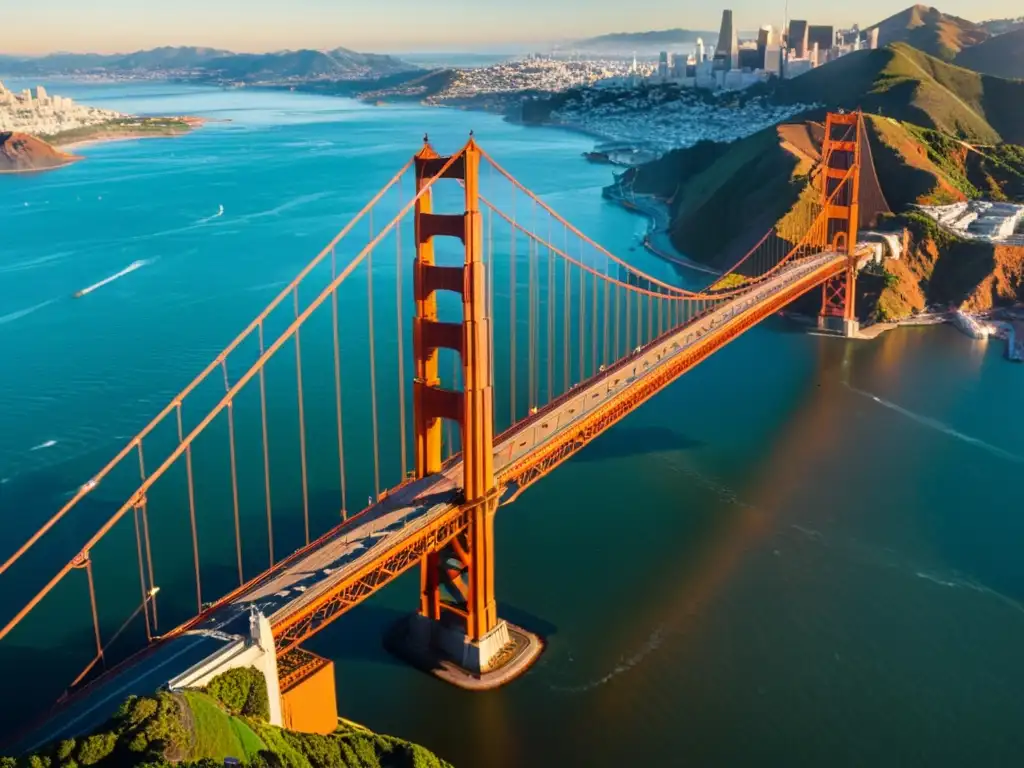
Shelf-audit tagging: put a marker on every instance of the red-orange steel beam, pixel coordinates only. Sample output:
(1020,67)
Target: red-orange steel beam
(407,553)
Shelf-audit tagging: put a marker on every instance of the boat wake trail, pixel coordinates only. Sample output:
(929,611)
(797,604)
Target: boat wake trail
(652,644)
(957,582)
(127,270)
(940,427)
(10,318)
(208,219)
(41,446)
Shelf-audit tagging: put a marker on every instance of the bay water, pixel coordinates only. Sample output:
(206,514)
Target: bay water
(805,551)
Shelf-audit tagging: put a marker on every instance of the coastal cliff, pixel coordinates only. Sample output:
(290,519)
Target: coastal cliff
(23,153)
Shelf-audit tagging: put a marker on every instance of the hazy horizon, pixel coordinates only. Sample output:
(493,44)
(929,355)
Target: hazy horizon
(452,26)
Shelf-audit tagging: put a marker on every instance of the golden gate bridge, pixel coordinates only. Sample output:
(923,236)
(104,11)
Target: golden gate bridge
(458,431)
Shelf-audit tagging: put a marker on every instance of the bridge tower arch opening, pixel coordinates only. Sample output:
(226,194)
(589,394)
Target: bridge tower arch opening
(840,196)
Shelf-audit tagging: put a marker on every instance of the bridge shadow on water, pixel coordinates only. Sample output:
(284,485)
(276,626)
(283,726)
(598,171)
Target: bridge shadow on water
(637,441)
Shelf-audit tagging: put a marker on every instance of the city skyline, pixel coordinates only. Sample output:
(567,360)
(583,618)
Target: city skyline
(450,26)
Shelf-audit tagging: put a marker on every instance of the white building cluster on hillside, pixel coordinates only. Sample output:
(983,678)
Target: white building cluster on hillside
(534,73)
(660,119)
(46,115)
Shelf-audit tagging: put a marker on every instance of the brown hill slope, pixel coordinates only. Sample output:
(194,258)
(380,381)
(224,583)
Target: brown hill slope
(931,31)
(1002,56)
(21,152)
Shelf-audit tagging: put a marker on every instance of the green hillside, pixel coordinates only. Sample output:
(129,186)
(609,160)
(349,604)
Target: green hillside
(202,728)
(904,83)
(743,187)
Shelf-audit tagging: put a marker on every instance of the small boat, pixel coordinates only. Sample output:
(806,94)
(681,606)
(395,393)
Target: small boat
(78,294)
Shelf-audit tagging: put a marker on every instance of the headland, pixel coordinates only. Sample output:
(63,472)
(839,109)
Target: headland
(36,130)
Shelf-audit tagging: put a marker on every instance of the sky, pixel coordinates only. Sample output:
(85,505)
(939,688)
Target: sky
(396,26)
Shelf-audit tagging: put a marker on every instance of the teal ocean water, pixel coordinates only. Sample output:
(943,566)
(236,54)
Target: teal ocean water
(804,552)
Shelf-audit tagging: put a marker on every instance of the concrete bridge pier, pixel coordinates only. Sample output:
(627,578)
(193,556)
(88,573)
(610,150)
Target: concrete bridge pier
(849,329)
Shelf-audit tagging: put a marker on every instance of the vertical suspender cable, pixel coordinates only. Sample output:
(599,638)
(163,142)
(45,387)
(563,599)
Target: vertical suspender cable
(650,319)
(607,314)
(583,305)
(302,418)
(532,312)
(234,473)
(373,367)
(552,293)
(593,326)
(489,253)
(629,329)
(145,536)
(337,386)
(566,327)
(616,354)
(92,603)
(399,266)
(266,451)
(512,307)
(142,572)
(191,510)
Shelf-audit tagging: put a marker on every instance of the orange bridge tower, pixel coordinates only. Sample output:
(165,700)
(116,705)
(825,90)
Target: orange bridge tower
(840,191)
(457,624)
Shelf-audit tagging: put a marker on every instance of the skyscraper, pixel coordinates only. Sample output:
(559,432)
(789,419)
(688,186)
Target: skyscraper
(797,38)
(700,50)
(824,36)
(727,51)
(764,39)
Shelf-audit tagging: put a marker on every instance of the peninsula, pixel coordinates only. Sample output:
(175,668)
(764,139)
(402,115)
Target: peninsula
(34,126)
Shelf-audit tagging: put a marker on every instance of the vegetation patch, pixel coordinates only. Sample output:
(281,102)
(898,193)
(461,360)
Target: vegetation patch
(242,692)
(126,127)
(216,734)
(194,729)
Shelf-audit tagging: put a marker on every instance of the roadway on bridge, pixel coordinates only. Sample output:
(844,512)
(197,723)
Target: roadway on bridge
(397,517)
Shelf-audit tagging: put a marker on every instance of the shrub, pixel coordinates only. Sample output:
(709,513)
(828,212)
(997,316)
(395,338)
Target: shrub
(96,747)
(242,692)
(65,749)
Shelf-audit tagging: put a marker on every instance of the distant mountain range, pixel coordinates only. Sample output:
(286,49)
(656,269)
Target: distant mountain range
(644,42)
(1002,56)
(215,64)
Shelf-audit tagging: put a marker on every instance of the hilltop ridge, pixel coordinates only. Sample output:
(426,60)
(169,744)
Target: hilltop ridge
(930,30)
(215,64)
